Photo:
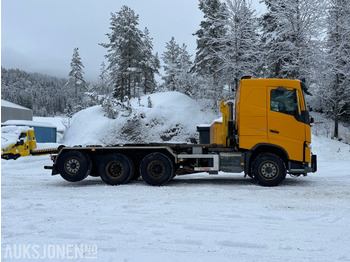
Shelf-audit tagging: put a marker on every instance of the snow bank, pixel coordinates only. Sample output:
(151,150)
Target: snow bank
(173,117)
(327,149)
(88,126)
(325,127)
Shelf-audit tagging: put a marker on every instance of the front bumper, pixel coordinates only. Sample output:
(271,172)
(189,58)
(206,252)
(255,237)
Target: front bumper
(295,167)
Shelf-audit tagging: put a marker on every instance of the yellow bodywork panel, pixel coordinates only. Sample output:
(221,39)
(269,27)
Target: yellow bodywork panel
(251,118)
(216,133)
(219,130)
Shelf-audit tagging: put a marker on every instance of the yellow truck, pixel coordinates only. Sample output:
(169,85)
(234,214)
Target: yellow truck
(265,133)
(19,141)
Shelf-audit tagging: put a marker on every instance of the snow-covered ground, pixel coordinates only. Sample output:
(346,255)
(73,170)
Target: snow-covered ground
(198,217)
(323,126)
(194,218)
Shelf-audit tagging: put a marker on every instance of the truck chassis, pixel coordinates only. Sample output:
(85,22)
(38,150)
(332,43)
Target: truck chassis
(157,164)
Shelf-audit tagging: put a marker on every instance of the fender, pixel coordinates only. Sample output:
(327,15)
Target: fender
(263,147)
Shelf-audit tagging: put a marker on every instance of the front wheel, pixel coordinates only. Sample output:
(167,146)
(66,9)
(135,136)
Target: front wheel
(268,169)
(74,166)
(156,169)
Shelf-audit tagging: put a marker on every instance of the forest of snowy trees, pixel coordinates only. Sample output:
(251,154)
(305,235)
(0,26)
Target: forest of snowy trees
(298,39)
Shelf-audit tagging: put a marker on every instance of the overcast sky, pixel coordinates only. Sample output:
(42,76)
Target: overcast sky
(40,35)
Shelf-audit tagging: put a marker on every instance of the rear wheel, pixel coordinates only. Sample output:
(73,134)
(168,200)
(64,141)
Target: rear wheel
(156,169)
(74,166)
(268,169)
(116,169)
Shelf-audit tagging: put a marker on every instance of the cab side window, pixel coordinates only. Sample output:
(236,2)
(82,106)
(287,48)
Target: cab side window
(284,101)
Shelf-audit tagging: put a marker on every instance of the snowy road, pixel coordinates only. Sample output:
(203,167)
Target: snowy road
(194,218)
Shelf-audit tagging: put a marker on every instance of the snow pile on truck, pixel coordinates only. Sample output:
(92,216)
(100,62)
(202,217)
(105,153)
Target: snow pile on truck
(172,117)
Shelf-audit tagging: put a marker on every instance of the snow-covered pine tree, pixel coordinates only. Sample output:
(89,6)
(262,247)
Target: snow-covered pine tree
(207,62)
(288,37)
(239,46)
(149,64)
(186,81)
(177,66)
(124,52)
(170,59)
(103,80)
(335,91)
(76,79)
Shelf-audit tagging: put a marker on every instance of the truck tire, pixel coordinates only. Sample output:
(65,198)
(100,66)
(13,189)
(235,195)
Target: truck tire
(268,169)
(116,169)
(74,166)
(156,169)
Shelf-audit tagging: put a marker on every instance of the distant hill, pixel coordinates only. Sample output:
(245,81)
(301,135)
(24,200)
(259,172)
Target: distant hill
(46,95)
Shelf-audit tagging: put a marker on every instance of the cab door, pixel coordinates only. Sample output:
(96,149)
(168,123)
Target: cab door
(284,129)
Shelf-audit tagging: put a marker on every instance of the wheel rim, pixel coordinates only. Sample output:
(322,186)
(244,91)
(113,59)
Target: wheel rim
(156,169)
(72,166)
(269,170)
(115,169)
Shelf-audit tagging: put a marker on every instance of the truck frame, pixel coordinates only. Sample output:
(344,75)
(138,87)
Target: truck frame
(269,137)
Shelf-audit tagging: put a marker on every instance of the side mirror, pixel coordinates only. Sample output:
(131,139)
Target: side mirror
(312,120)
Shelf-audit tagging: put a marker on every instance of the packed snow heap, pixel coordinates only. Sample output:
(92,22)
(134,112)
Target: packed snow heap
(160,117)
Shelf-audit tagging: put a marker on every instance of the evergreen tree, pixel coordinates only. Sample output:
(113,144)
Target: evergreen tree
(240,44)
(289,32)
(149,64)
(124,52)
(177,66)
(103,80)
(186,82)
(335,88)
(76,79)
(208,61)
(171,58)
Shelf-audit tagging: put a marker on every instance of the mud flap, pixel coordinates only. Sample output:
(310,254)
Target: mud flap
(313,163)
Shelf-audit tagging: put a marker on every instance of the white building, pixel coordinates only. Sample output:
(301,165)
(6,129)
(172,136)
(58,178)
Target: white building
(11,111)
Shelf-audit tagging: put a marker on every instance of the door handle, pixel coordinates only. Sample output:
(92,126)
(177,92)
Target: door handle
(274,131)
